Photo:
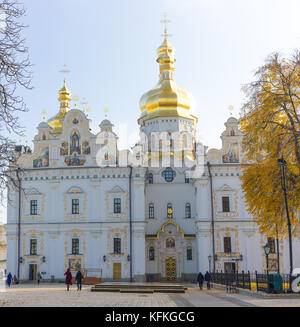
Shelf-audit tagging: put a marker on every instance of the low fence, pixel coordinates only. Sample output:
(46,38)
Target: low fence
(255,282)
(91,276)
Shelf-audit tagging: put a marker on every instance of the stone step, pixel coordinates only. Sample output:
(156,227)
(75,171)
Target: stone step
(130,286)
(137,290)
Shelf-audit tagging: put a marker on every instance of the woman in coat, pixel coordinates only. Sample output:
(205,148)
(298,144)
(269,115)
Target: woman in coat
(68,275)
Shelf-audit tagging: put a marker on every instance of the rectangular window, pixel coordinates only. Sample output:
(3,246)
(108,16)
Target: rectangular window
(271,242)
(189,254)
(33,247)
(117,205)
(117,245)
(225,204)
(227,244)
(75,206)
(75,245)
(33,207)
(151,211)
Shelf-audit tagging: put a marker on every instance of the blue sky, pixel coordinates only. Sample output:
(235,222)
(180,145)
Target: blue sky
(110,48)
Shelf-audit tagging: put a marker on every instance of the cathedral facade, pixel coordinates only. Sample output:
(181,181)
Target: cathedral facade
(163,210)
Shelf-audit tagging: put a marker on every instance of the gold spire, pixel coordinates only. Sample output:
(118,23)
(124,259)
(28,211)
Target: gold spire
(166,99)
(64,99)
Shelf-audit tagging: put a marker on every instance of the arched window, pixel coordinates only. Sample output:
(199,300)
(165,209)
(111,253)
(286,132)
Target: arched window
(150,178)
(151,211)
(169,210)
(189,253)
(44,137)
(151,253)
(187,179)
(188,210)
(232,133)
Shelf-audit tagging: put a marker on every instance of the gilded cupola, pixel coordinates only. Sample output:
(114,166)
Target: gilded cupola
(64,99)
(166,99)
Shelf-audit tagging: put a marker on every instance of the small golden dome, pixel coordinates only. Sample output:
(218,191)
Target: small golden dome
(64,99)
(166,99)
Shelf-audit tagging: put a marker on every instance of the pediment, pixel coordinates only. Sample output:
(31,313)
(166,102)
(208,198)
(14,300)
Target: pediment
(75,190)
(117,189)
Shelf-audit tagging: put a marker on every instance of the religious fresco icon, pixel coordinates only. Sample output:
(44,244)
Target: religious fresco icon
(75,160)
(273,264)
(108,160)
(64,149)
(75,143)
(86,149)
(75,264)
(170,243)
(232,156)
(43,159)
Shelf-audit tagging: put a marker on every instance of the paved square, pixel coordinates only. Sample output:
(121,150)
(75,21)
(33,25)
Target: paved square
(56,295)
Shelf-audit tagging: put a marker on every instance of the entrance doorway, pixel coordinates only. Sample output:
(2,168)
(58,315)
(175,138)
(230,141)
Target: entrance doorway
(229,267)
(171,269)
(117,270)
(32,271)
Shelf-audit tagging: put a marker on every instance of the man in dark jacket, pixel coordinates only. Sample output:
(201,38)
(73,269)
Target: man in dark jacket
(200,280)
(9,279)
(207,279)
(79,280)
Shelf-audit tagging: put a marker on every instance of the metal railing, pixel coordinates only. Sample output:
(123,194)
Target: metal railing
(253,281)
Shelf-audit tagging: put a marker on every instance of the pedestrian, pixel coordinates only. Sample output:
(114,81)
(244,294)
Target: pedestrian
(200,280)
(9,278)
(79,280)
(207,278)
(15,279)
(68,278)
(39,277)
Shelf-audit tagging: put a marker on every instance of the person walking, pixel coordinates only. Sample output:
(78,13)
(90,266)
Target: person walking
(39,277)
(15,279)
(79,280)
(9,279)
(207,278)
(68,275)
(200,280)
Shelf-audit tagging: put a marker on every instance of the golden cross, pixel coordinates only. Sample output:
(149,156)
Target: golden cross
(44,112)
(165,21)
(75,98)
(86,111)
(83,103)
(106,110)
(65,71)
(230,108)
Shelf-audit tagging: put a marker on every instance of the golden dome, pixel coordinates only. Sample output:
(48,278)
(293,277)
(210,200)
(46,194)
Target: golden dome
(64,99)
(166,99)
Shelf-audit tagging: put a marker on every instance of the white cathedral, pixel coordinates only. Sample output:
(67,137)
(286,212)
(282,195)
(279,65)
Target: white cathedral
(145,214)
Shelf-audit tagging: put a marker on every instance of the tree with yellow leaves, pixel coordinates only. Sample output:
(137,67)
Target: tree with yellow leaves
(271,126)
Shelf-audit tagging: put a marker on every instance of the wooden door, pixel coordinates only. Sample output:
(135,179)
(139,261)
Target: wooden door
(32,271)
(117,270)
(171,269)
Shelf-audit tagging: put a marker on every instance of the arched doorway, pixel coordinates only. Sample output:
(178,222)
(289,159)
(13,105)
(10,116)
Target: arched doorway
(171,269)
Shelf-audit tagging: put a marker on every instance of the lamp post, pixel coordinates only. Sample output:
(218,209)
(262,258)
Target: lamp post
(209,261)
(282,164)
(267,250)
